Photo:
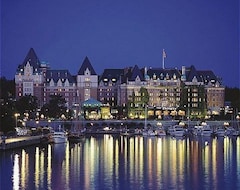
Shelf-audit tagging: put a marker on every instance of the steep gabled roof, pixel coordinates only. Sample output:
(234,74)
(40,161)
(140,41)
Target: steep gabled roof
(207,76)
(136,72)
(191,73)
(111,73)
(59,74)
(32,59)
(86,64)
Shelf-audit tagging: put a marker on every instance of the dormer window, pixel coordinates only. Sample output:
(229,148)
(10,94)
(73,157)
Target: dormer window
(167,76)
(194,79)
(137,79)
(161,76)
(87,72)
(174,76)
(154,76)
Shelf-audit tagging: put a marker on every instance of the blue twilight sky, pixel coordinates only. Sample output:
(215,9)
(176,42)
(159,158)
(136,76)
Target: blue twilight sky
(115,34)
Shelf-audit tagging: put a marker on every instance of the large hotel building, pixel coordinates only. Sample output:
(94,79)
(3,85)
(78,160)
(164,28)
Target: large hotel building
(169,92)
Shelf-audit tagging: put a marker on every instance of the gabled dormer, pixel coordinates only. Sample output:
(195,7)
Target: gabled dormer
(136,74)
(59,77)
(28,69)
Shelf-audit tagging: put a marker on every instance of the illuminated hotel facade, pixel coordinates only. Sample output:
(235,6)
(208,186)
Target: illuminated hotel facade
(171,92)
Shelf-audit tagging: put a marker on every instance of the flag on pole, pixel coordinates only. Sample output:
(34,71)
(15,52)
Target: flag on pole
(164,55)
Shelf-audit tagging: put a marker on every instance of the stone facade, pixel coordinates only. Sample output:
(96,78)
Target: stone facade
(170,91)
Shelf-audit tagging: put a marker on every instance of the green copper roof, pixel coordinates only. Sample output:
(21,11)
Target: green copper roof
(91,103)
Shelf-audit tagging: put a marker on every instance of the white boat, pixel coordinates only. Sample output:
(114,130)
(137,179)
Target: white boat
(148,133)
(230,131)
(220,132)
(59,136)
(126,133)
(206,131)
(197,130)
(160,132)
(176,131)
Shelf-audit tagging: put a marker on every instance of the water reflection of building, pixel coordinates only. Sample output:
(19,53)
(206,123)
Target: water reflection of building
(115,162)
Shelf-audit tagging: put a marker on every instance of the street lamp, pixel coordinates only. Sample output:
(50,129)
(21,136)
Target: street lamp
(16,116)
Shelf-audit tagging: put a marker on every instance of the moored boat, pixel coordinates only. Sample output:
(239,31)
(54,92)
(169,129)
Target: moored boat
(206,131)
(176,131)
(148,133)
(59,136)
(160,132)
(75,138)
(220,132)
(230,131)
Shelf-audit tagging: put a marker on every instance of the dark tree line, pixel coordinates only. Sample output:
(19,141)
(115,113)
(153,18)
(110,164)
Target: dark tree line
(233,96)
(56,107)
(26,106)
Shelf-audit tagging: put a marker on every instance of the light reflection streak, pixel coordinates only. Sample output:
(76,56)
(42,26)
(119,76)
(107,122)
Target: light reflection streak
(206,161)
(180,159)
(41,169)
(173,159)
(108,162)
(131,158)
(36,180)
(15,177)
(49,166)
(116,164)
(67,170)
(213,161)
(150,157)
(140,162)
(23,169)
(159,157)
(140,158)
(238,158)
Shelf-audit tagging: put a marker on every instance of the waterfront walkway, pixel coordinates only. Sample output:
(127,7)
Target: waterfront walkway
(20,141)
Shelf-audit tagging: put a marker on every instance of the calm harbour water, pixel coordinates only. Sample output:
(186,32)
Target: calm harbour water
(117,162)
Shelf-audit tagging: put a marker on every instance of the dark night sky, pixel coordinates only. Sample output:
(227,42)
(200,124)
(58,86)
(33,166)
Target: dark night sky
(115,34)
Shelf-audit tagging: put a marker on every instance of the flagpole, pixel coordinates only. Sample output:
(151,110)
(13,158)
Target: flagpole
(163,59)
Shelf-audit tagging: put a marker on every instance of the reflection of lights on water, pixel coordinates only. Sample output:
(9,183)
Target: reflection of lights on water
(67,170)
(23,169)
(49,167)
(37,168)
(15,176)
